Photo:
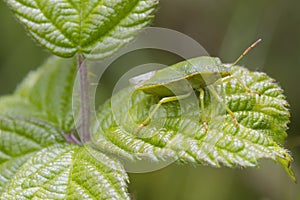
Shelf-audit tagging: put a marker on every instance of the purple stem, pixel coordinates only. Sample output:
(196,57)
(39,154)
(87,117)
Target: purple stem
(84,101)
(70,137)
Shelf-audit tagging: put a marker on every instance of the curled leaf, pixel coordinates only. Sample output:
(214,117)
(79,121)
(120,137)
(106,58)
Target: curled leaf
(177,131)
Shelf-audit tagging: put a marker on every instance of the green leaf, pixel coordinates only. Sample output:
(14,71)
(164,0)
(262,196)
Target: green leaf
(68,172)
(96,176)
(95,28)
(176,131)
(45,94)
(20,139)
(35,160)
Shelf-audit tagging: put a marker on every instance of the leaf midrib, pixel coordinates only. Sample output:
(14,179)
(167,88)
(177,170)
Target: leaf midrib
(112,26)
(54,24)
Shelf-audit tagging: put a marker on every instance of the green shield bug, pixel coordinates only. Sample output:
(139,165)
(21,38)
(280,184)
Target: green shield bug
(170,83)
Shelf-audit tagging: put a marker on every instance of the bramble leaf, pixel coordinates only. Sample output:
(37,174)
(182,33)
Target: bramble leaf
(68,172)
(36,162)
(94,28)
(21,138)
(45,94)
(176,130)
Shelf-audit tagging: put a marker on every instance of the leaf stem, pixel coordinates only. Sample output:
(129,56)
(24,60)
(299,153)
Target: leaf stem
(84,100)
(70,137)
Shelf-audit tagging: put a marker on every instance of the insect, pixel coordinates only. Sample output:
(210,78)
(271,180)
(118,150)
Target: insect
(170,83)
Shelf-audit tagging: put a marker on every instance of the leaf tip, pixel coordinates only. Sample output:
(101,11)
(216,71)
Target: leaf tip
(286,163)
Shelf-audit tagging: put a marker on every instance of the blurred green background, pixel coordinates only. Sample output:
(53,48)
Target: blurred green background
(224,28)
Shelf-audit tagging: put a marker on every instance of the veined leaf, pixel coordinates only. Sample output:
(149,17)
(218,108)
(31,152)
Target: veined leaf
(68,172)
(95,28)
(35,160)
(176,131)
(45,94)
(20,139)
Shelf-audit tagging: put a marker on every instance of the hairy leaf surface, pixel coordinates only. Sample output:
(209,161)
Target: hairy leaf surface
(95,28)
(65,171)
(176,131)
(20,139)
(35,160)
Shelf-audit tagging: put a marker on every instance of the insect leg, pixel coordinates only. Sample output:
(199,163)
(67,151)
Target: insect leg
(162,101)
(203,117)
(215,94)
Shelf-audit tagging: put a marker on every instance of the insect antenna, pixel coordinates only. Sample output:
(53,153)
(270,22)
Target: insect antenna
(246,51)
